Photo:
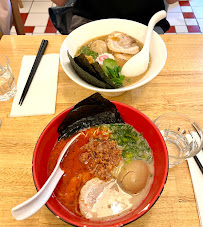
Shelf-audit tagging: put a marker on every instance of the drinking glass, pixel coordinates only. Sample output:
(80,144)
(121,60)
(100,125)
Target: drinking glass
(182,135)
(7,82)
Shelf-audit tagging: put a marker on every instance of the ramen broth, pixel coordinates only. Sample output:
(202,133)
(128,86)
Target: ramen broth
(79,172)
(128,80)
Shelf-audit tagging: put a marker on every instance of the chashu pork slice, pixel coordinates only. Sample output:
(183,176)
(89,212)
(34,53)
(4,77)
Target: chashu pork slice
(121,59)
(99,199)
(122,43)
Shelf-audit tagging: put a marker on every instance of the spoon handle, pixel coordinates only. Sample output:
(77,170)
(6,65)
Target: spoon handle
(156,18)
(32,205)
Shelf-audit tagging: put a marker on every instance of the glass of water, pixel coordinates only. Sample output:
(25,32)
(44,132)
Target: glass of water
(7,82)
(182,135)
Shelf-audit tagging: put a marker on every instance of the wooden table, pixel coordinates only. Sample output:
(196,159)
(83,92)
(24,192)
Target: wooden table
(178,88)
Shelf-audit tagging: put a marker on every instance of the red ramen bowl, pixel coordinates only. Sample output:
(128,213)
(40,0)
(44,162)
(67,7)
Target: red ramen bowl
(141,123)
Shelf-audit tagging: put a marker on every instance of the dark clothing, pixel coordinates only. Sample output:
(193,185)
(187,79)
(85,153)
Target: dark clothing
(78,12)
(77,21)
(140,11)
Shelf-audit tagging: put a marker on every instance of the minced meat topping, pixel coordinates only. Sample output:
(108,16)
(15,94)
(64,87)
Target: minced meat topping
(101,157)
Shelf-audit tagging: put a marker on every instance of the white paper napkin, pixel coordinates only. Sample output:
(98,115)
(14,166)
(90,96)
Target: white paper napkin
(41,96)
(197,181)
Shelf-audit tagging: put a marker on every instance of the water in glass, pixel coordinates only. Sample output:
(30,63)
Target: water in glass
(7,82)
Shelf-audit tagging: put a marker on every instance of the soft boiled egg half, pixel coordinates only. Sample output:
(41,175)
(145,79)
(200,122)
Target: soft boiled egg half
(100,199)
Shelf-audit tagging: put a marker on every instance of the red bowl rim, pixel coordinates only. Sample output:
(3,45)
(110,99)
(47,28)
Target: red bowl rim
(128,221)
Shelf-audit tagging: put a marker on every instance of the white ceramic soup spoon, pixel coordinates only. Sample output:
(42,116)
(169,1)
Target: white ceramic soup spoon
(32,205)
(138,64)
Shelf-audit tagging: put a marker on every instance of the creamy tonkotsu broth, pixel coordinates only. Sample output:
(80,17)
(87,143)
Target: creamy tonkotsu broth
(103,47)
(108,171)
(112,202)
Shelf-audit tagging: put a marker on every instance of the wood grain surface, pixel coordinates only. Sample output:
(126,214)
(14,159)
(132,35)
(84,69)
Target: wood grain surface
(177,88)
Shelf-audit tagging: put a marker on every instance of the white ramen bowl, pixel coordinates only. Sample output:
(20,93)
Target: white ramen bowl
(86,32)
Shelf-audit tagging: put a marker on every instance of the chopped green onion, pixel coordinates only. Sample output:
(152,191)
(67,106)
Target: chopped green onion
(87,51)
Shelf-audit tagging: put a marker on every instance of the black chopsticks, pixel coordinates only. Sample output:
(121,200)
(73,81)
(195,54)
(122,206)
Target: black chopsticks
(198,163)
(33,70)
(196,127)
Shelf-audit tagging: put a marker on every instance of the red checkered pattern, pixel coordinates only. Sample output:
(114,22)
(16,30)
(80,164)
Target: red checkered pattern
(188,17)
(29,29)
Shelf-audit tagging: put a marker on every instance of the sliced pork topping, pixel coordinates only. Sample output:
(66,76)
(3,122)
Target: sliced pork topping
(99,46)
(100,199)
(122,43)
(122,58)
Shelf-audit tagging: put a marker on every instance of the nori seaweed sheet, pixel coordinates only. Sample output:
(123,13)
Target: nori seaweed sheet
(92,111)
(94,69)
(103,76)
(86,76)
(82,61)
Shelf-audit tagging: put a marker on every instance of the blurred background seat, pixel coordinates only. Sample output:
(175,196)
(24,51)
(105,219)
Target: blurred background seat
(10,15)
(17,17)
(20,3)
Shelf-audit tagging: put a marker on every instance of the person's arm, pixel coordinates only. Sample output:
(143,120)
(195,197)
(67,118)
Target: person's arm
(171,1)
(59,2)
